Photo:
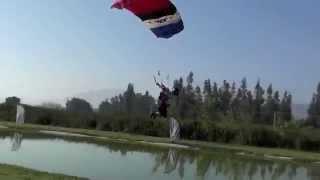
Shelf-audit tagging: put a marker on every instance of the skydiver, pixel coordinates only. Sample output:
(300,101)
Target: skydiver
(163,100)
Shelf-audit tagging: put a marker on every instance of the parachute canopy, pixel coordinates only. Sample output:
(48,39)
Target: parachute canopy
(161,16)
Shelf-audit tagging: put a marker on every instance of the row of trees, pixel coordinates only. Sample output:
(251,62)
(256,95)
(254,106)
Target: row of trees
(228,102)
(129,102)
(225,112)
(213,102)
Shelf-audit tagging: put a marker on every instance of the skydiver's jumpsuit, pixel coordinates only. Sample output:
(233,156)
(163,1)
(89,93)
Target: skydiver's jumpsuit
(163,102)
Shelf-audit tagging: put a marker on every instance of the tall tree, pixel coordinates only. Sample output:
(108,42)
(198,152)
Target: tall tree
(233,89)
(190,81)
(144,103)
(285,107)
(77,105)
(269,107)
(258,101)
(207,91)
(245,101)
(129,97)
(12,101)
(314,109)
(105,107)
(244,86)
(235,105)
(198,103)
(225,97)
(52,105)
(189,105)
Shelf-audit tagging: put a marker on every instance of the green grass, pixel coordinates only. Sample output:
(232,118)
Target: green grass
(300,156)
(8,172)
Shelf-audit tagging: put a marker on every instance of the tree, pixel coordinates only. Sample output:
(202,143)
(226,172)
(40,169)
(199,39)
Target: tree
(190,81)
(210,93)
(199,102)
(129,97)
(244,85)
(143,103)
(13,101)
(225,97)
(245,101)
(233,90)
(215,90)
(82,113)
(207,91)
(258,101)
(269,107)
(105,107)
(235,105)
(285,107)
(189,102)
(77,105)
(52,105)
(276,100)
(314,109)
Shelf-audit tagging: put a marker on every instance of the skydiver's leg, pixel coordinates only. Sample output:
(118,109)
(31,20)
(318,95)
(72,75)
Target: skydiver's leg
(163,110)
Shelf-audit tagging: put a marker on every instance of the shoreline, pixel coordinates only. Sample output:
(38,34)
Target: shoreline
(18,172)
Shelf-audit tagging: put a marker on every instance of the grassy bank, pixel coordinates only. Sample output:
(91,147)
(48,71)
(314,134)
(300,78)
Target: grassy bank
(301,156)
(9,172)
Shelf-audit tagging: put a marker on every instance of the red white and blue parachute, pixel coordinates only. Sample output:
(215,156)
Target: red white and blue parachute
(161,16)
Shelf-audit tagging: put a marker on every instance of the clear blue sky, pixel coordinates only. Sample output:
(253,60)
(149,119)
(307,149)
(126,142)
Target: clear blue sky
(53,49)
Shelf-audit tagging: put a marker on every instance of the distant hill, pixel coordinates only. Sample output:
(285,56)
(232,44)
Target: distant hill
(300,111)
(95,97)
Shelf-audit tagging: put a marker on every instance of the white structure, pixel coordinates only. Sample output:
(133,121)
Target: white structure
(20,114)
(174,129)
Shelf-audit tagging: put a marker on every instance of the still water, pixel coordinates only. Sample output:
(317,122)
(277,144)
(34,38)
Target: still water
(98,160)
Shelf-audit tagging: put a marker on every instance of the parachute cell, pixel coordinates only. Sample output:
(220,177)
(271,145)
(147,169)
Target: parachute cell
(161,16)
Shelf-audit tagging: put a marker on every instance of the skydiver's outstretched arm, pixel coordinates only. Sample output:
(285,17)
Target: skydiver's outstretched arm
(160,85)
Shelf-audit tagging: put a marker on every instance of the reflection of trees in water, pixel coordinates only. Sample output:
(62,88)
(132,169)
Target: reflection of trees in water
(203,165)
(182,161)
(16,141)
(314,173)
(171,160)
(232,167)
(292,171)
(229,166)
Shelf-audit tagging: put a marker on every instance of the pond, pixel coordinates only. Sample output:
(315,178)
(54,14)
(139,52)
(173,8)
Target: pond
(101,160)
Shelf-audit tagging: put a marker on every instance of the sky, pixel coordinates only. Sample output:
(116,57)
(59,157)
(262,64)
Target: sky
(54,49)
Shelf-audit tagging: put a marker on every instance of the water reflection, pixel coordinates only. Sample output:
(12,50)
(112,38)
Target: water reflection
(314,173)
(228,166)
(171,163)
(16,141)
